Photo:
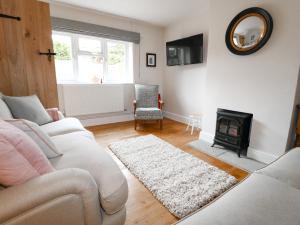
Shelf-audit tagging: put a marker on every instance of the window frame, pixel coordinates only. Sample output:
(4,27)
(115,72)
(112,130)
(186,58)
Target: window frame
(76,52)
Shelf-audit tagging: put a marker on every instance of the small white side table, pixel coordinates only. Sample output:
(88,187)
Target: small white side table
(194,122)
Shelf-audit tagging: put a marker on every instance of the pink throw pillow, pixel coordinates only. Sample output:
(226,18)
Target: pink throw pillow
(21,158)
(53,113)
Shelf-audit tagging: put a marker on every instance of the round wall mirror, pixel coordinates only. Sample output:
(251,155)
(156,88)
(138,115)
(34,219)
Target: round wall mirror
(249,31)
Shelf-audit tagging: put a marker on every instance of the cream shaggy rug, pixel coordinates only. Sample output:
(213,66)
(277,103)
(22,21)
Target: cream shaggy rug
(182,182)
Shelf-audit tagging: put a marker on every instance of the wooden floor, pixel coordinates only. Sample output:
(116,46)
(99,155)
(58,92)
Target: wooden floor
(142,207)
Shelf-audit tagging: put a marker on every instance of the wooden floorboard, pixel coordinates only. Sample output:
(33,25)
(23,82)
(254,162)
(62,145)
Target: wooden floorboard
(142,207)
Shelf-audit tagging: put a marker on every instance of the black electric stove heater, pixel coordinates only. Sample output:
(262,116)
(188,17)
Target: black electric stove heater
(233,130)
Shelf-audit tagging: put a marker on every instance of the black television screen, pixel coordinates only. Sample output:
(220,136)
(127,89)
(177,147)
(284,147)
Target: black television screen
(185,51)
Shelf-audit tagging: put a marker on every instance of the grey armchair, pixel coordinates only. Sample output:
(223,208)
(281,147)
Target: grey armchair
(147,106)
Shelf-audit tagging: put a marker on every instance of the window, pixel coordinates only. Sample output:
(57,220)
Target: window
(85,59)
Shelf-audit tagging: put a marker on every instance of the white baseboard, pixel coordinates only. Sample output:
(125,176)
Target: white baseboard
(256,154)
(106,120)
(126,117)
(176,117)
(94,121)
(260,155)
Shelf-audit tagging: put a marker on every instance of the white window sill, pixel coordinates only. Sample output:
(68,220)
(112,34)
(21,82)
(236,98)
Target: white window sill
(87,84)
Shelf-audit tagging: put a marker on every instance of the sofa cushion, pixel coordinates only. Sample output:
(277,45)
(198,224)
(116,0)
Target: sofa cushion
(285,168)
(82,151)
(148,114)
(38,136)
(4,110)
(63,126)
(29,108)
(257,200)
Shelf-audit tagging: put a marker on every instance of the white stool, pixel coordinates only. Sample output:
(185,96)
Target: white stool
(193,122)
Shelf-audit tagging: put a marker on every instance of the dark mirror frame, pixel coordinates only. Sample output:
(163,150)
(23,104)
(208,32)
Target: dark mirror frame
(233,24)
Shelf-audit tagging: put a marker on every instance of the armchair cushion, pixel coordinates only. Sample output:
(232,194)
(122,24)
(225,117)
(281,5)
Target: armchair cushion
(146,96)
(148,114)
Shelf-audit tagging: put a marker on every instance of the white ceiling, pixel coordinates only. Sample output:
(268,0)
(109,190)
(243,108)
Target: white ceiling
(158,12)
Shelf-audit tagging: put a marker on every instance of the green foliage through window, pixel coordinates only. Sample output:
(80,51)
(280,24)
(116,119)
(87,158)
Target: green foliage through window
(63,51)
(116,54)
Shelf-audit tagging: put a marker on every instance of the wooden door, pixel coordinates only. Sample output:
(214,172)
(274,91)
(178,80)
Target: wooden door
(23,71)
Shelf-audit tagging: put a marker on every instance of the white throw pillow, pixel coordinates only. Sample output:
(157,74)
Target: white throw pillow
(38,136)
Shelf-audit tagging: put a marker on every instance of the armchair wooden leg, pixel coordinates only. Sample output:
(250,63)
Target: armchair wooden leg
(135,124)
(161,124)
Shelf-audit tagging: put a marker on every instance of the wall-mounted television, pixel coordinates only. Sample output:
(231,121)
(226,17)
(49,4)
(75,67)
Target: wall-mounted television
(185,51)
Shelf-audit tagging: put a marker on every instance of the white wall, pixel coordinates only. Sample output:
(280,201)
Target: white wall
(152,40)
(183,86)
(263,83)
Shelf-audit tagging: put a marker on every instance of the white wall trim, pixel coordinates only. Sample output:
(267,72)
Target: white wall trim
(260,155)
(252,153)
(106,120)
(176,117)
(100,120)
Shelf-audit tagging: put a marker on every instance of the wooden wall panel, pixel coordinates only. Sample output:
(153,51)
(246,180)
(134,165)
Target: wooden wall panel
(23,70)
(13,76)
(45,43)
(5,84)
(31,49)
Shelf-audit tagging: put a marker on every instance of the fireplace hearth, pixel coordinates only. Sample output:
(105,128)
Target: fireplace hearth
(233,130)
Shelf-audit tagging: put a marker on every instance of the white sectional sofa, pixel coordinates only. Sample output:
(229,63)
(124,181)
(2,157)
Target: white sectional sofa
(269,196)
(87,188)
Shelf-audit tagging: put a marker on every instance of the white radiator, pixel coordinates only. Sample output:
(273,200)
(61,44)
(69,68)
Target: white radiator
(79,99)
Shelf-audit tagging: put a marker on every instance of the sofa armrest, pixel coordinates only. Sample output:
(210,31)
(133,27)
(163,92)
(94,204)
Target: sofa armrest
(75,185)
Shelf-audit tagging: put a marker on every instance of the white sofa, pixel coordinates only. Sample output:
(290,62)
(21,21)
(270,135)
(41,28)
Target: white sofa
(269,196)
(88,188)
